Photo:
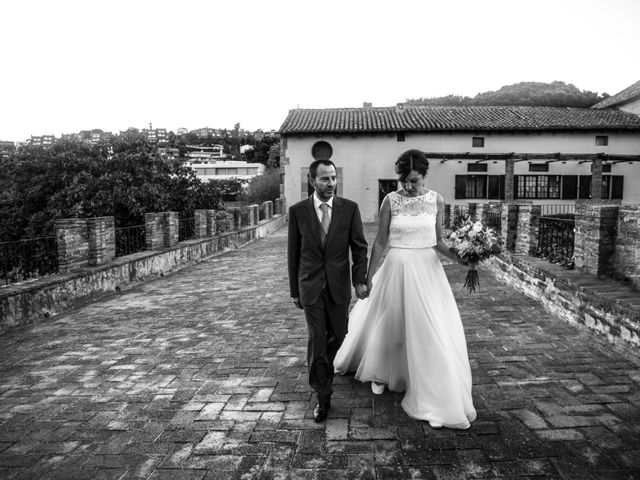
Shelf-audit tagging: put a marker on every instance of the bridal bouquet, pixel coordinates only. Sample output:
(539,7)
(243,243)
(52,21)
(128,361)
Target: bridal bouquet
(473,242)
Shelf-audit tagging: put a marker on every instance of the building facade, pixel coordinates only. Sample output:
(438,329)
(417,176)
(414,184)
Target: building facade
(225,169)
(477,154)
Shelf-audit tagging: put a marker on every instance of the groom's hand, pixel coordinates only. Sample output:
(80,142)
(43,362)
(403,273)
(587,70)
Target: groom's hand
(361,291)
(296,301)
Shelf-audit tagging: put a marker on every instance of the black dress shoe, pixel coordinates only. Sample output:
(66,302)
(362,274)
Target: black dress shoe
(321,411)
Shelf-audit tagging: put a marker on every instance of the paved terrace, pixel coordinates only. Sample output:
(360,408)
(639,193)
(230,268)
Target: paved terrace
(201,375)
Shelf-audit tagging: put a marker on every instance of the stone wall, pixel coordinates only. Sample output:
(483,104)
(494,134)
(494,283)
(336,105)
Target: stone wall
(566,295)
(34,301)
(595,237)
(626,258)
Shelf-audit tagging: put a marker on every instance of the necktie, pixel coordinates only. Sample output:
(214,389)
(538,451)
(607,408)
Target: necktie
(325,220)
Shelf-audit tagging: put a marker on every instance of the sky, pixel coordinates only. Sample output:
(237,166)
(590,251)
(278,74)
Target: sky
(72,65)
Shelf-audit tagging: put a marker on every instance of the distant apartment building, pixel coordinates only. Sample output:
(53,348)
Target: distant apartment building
(156,135)
(225,169)
(169,152)
(183,131)
(6,149)
(200,154)
(42,140)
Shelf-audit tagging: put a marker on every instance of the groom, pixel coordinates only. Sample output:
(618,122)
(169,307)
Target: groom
(322,230)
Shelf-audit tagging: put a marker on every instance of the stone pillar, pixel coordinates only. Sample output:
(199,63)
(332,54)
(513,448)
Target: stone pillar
(268,209)
(471,211)
(211,223)
(72,237)
(200,218)
(447,216)
(509,221)
(236,217)
(253,214)
(154,230)
(278,206)
(171,228)
(102,240)
(596,181)
(262,212)
(457,217)
(626,261)
(509,165)
(527,228)
(595,237)
(480,213)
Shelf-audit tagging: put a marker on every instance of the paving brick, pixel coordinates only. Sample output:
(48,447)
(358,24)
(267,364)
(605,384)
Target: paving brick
(201,374)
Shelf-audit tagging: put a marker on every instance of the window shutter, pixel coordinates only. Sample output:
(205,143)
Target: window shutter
(617,182)
(494,190)
(585,186)
(460,187)
(569,187)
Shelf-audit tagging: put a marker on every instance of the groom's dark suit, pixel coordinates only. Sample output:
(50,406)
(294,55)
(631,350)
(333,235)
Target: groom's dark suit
(319,275)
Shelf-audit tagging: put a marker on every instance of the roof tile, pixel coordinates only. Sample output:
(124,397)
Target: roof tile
(628,94)
(483,118)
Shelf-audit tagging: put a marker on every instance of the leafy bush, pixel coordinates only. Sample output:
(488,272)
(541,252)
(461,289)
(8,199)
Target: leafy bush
(124,178)
(262,188)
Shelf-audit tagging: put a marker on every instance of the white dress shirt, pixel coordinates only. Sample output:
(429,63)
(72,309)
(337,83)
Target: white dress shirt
(317,203)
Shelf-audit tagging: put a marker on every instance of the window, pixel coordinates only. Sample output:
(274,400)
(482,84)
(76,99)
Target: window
(477,142)
(537,186)
(476,186)
(538,167)
(479,186)
(612,186)
(602,140)
(321,150)
(476,167)
(400,137)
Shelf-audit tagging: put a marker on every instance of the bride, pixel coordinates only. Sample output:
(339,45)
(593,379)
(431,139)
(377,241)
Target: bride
(408,334)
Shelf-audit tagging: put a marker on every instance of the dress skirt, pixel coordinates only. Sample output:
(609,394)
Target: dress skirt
(408,334)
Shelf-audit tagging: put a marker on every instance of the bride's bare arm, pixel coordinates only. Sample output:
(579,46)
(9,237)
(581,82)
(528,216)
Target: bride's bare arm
(442,246)
(380,242)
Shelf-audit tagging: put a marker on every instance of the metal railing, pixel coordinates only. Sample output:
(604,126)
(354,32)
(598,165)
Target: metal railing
(26,259)
(186,229)
(494,221)
(130,240)
(556,239)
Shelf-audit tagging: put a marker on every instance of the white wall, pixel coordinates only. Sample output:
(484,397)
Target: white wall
(367,158)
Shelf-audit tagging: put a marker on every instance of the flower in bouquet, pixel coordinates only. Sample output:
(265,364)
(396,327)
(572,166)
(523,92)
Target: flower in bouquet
(474,242)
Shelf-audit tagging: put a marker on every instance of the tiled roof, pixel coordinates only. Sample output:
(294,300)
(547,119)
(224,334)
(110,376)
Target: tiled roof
(626,95)
(426,119)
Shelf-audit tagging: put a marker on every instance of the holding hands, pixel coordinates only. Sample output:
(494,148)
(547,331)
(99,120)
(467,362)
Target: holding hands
(362,291)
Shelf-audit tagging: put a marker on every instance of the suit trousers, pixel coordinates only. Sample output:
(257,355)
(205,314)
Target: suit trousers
(327,326)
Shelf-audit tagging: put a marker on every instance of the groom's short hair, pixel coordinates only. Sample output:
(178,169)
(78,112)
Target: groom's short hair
(313,168)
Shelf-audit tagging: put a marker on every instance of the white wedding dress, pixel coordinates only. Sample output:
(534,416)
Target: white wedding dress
(408,334)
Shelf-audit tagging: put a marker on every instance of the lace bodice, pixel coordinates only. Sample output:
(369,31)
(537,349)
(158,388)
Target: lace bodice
(413,220)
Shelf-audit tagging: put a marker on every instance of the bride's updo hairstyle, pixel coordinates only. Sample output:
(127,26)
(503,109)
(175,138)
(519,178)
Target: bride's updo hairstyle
(411,160)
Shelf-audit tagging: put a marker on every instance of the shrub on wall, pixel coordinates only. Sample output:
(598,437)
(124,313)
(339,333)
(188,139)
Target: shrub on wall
(262,188)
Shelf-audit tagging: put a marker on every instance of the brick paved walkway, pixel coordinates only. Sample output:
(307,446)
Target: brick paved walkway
(201,375)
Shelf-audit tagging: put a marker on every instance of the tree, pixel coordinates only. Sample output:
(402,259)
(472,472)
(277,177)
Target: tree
(124,178)
(554,94)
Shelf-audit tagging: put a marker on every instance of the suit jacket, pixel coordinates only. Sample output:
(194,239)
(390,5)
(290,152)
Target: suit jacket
(309,261)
